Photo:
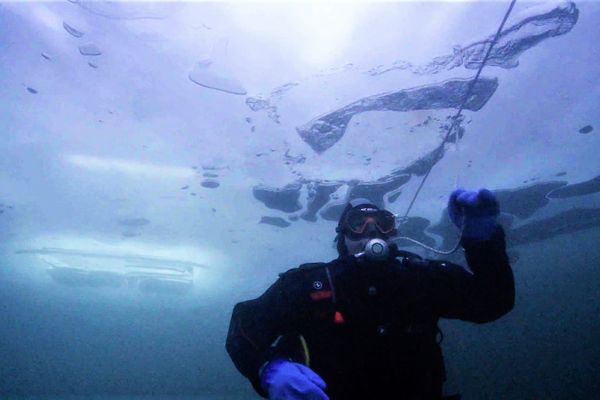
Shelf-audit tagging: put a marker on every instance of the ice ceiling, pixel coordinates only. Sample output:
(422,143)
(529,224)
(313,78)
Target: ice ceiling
(162,145)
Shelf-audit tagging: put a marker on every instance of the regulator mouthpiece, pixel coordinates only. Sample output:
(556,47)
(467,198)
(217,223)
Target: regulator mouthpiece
(375,249)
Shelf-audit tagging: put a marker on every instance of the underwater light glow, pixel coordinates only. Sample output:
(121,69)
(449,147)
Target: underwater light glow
(128,167)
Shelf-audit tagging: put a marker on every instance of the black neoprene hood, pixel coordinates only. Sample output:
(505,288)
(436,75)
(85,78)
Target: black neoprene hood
(340,242)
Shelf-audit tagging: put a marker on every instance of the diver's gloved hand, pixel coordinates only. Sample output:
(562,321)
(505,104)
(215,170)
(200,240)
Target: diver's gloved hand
(479,210)
(288,380)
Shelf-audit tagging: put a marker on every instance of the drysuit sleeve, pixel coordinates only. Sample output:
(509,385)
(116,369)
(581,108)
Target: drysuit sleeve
(483,295)
(256,324)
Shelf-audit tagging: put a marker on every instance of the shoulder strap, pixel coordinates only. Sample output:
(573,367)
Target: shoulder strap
(308,266)
(303,268)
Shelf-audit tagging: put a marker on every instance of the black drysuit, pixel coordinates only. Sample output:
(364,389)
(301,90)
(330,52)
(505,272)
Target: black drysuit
(371,328)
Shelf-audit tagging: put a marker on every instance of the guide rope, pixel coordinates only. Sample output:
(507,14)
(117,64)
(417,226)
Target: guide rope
(455,123)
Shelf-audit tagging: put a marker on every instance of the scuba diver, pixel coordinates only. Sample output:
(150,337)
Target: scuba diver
(365,325)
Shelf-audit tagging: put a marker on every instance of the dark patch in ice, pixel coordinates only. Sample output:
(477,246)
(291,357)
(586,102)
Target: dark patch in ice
(134,222)
(586,129)
(284,199)
(521,203)
(513,41)
(209,167)
(46,56)
(91,64)
(299,159)
(446,230)
(524,202)
(32,90)
(128,234)
(210,183)
(566,222)
(561,174)
(451,235)
(375,190)
(332,211)
(72,30)
(321,199)
(249,120)
(323,132)
(318,195)
(186,187)
(258,104)
(414,227)
(521,37)
(275,221)
(394,196)
(89,49)
(210,175)
(577,189)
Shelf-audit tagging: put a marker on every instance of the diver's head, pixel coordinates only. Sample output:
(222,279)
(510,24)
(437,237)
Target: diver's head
(360,222)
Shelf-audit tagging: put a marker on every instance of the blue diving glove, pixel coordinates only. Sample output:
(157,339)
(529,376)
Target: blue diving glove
(288,380)
(479,210)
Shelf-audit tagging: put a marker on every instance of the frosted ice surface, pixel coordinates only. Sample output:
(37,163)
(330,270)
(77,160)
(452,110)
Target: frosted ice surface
(532,27)
(320,136)
(134,222)
(257,103)
(214,72)
(216,77)
(128,10)
(89,49)
(323,132)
